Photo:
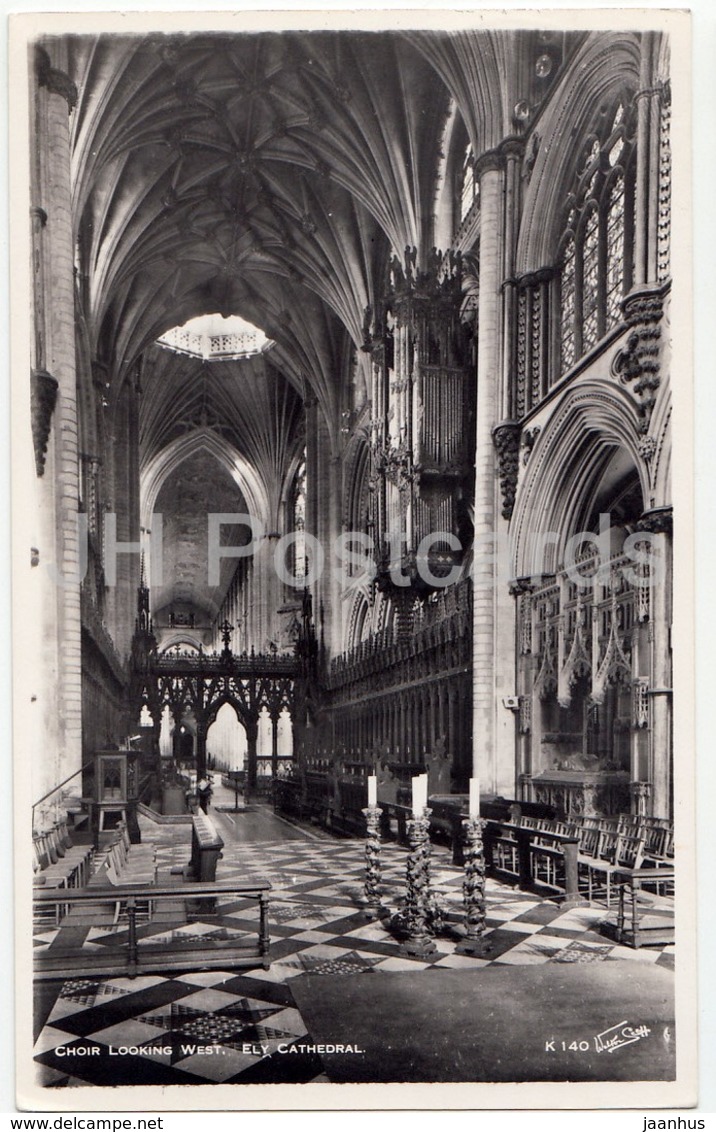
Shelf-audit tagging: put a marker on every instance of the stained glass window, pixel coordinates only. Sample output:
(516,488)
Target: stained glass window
(597,257)
(299,524)
(469,186)
(615,252)
(590,282)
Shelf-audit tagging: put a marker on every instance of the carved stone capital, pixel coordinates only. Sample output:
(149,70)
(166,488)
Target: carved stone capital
(534,278)
(512,147)
(43,398)
(657,520)
(637,364)
(640,789)
(490,161)
(643,306)
(506,438)
(640,794)
(660,90)
(524,585)
(54,81)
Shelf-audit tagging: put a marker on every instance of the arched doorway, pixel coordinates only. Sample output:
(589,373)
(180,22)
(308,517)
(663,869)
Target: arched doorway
(587,572)
(226,742)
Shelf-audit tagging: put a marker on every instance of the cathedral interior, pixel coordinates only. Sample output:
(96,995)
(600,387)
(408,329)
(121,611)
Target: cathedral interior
(351,427)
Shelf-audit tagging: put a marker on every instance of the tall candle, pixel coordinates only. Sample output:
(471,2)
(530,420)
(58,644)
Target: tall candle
(372,790)
(474,797)
(420,794)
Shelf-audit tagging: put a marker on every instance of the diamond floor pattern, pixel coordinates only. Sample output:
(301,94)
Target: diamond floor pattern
(317,927)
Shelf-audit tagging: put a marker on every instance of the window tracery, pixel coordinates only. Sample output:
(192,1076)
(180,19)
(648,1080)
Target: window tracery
(597,254)
(469,184)
(298,523)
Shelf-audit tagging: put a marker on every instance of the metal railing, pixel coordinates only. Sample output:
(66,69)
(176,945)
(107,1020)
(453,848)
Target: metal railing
(59,786)
(131,955)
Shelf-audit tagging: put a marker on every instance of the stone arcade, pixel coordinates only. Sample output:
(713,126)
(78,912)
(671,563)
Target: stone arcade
(350,410)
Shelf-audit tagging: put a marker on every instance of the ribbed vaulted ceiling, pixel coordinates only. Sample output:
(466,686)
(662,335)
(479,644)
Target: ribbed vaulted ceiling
(268,176)
(223,173)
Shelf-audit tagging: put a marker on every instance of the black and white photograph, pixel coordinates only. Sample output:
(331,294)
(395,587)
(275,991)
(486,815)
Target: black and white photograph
(353,673)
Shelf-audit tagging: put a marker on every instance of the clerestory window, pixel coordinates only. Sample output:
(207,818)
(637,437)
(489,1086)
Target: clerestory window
(298,522)
(469,185)
(596,253)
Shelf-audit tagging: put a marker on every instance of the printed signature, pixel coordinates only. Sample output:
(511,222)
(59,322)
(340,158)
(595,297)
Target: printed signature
(620,1035)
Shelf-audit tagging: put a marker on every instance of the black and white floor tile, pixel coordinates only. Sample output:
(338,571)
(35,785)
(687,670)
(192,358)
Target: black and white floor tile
(317,926)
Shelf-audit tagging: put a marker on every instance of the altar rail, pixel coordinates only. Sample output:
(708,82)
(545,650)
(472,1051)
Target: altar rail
(78,908)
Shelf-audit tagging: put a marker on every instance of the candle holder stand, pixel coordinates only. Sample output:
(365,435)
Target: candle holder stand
(473,890)
(419,942)
(372,861)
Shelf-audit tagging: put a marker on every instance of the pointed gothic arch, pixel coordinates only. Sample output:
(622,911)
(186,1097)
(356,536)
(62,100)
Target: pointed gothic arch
(591,424)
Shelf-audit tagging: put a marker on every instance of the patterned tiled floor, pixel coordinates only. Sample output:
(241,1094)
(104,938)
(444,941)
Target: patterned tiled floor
(223,1026)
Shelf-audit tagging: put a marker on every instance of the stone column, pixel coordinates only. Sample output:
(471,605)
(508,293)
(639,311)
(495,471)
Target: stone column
(493,614)
(251,754)
(124,471)
(58,682)
(646,220)
(266,595)
(323,521)
(200,749)
(658,523)
(274,746)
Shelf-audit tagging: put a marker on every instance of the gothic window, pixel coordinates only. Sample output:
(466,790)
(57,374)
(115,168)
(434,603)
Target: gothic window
(615,250)
(469,186)
(590,280)
(298,523)
(597,254)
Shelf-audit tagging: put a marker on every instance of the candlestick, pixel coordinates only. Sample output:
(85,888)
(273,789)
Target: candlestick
(474,798)
(372,861)
(419,941)
(473,890)
(372,790)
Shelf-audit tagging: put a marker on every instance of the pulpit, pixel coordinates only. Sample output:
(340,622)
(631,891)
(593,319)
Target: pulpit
(115,794)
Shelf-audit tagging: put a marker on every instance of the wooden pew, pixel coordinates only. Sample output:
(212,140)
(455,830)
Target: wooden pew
(530,846)
(57,862)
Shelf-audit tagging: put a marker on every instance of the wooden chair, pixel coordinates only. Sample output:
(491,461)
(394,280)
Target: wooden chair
(630,823)
(505,855)
(587,822)
(126,865)
(644,917)
(53,870)
(78,856)
(589,836)
(617,853)
(545,865)
(527,822)
(659,855)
